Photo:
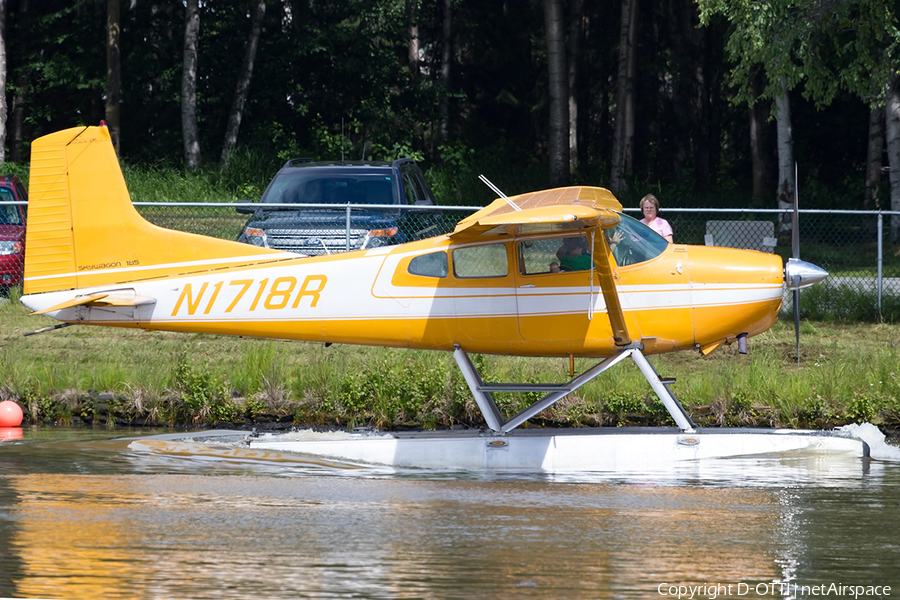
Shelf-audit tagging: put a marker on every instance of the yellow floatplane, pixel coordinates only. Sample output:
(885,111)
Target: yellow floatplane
(560,272)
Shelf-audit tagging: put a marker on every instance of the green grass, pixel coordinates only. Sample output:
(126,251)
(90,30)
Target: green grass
(848,373)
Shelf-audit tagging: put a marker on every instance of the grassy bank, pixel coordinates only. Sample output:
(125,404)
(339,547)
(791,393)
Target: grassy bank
(109,376)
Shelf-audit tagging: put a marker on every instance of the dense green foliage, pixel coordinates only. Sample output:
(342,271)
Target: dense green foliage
(328,62)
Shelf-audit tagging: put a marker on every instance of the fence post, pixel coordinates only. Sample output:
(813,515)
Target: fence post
(348,228)
(880,259)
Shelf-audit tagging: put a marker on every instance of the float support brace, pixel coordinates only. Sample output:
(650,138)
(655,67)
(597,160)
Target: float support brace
(481,391)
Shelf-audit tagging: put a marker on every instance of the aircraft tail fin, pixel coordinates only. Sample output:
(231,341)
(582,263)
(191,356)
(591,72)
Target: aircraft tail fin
(84,231)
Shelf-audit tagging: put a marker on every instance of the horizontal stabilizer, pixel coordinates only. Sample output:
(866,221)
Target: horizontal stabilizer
(117,298)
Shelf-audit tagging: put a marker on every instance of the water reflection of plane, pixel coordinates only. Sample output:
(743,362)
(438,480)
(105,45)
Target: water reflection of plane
(487,287)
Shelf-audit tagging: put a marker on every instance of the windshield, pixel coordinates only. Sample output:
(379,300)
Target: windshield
(633,242)
(343,187)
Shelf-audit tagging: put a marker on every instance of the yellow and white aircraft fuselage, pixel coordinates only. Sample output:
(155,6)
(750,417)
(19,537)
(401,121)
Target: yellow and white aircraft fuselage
(554,273)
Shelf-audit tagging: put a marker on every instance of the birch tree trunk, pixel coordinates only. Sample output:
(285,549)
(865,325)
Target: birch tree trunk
(243,84)
(189,129)
(412,48)
(623,135)
(113,72)
(559,95)
(786,183)
(892,134)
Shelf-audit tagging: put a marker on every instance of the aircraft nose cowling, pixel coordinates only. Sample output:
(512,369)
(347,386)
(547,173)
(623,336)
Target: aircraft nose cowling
(800,274)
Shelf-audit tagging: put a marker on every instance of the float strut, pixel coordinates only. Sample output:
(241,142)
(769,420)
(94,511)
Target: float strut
(481,391)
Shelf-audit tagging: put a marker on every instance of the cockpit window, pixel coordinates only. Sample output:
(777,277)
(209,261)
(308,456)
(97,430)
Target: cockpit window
(633,242)
(555,255)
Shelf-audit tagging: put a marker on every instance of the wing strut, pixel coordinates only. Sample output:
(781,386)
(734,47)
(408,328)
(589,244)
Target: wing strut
(555,392)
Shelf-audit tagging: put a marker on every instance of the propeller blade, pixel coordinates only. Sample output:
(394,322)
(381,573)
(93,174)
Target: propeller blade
(797,321)
(795,221)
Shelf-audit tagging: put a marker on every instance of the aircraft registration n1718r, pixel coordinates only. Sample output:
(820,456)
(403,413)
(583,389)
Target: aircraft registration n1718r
(560,272)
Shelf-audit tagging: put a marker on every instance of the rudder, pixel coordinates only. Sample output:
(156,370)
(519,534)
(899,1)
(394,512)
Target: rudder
(84,231)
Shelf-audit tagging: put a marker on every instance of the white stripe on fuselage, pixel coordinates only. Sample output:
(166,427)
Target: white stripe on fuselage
(361,289)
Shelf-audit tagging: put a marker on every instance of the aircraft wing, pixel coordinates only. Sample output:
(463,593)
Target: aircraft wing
(545,219)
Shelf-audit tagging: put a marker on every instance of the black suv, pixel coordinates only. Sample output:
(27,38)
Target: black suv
(322,221)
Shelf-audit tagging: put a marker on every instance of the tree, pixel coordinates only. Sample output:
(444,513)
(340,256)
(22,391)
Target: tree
(243,83)
(3,66)
(559,93)
(892,128)
(576,34)
(874,158)
(190,132)
(446,56)
(623,139)
(826,46)
(113,72)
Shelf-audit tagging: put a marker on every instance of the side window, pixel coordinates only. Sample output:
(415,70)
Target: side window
(480,261)
(539,256)
(412,188)
(429,265)
(9,215)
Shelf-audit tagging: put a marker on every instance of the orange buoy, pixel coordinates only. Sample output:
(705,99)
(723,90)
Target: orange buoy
(10,414)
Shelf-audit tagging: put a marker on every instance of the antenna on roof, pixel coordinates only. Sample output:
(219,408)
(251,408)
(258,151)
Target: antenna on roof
(497,191)
(342,141)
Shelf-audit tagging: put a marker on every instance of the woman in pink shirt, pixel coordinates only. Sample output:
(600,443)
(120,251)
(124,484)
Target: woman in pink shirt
(650,210)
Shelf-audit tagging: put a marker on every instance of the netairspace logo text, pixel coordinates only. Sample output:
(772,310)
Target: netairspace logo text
(780,590)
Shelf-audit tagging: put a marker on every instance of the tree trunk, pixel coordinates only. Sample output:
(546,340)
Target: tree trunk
(189,129)
(243,83)
(786,183)
(412,48)
(559,95)
(446,54)
(758,113)
(3,81)
(18,104)
(576,36)
(892,134)
(874,158)
(113,72)
(623,135)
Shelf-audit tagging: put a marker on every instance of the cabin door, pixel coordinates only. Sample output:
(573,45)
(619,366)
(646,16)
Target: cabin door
(553,285)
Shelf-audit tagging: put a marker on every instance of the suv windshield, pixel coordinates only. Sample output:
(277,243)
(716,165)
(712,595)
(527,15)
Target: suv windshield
(332,186)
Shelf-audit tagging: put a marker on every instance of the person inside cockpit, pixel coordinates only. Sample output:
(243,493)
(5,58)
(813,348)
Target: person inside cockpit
(574,254)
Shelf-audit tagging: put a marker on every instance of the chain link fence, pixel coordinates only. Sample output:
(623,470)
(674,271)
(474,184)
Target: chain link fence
(857,248)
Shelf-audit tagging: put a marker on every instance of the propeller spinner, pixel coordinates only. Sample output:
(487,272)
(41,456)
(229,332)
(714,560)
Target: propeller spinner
(799,274)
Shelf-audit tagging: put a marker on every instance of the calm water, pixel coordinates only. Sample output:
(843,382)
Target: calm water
(83,516)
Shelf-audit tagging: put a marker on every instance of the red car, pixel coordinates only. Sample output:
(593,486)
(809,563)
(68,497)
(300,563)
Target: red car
(12,231)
